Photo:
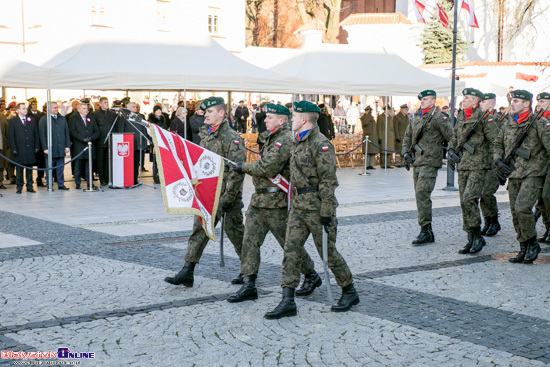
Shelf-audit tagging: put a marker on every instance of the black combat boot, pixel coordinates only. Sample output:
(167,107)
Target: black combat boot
(486,225)
(466,249)
(311,281)
(521,254)
(287,306)
(494,227)
(238,279)
(348,298)
(185,276)
(248,291)
(426,235)
(477,241)
(544,238)
(533,250)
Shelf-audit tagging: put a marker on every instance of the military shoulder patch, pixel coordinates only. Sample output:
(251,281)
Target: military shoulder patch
(445,118)
(490,120)
(236,142)
(278,145)
(324,149)
(548,124)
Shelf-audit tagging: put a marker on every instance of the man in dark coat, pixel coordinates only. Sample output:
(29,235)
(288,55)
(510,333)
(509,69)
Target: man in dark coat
(195,123)
(24,144)
(140,143)
(40,159)
(241,117)
(325,123)
(83,130)
(105,118)
(61,143)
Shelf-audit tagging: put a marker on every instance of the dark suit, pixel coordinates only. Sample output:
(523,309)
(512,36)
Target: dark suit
(105,120)
(61,139)
(24,143)
(40,158)
(81,134)
(140,143)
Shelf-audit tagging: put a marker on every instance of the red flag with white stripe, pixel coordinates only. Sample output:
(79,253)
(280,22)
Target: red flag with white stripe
(191,177)
(418,8)
(442,15)
(470,9)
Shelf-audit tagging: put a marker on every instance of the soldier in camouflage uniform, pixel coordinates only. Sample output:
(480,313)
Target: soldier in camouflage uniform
(426,155)
(218,137)
(268,210)
(472,160)
(543,101)
(526,174)
(488,202)
(313,206)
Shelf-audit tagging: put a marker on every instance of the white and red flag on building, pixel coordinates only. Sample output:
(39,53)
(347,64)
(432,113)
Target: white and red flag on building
(191,177)
(442,15)
(418,8)
(470,9)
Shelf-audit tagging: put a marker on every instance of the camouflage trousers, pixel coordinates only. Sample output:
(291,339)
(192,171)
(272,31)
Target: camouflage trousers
(488,202)
(234,229)
(545,198)
(470,188)
(424,182)
(300,224)
(523,194)
(258,222)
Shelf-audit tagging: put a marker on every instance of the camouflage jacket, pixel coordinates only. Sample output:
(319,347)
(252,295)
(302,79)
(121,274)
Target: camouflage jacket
(436,132)
(275,157)
(314,154)
(229,144)
(537,143)
(481,140)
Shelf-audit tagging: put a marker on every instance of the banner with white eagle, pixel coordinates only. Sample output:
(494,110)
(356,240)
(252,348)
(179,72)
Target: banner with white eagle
(191,177)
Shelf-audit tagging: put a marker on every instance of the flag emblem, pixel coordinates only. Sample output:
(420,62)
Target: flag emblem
(324,149)
(123,149)
(278,145)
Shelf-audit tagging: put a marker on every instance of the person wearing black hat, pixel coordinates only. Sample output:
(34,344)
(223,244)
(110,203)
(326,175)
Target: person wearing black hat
(60,143)
(400,121)
(369,129)
(526,175)
(218,137)
(472,159)
(312,210)
(488,201)
(24,144)
(543,104)
(424,136)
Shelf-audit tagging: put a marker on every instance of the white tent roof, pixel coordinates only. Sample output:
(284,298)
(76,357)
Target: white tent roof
(341,69)
(114,65)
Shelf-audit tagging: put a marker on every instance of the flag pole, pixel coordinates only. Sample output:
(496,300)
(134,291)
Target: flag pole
(450,173)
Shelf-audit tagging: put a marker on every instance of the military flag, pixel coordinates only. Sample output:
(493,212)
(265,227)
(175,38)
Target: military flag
(470,9)
(442,15)
(418,8)
(191,177)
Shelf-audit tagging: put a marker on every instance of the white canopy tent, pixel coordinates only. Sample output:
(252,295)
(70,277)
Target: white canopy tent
(341,69)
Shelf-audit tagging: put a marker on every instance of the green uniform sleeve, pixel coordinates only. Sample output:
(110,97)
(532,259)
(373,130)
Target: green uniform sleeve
(234,180)
(490,128)
(407,140)
(271,164)
(445,127)
(325,161)
(454,138)
(498,144)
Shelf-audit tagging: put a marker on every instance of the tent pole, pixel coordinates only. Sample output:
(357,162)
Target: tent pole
(49,131)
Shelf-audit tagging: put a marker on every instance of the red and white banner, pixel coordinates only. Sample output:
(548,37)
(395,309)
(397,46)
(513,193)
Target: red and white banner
(470,9)
(191,177)
(442,15)
(418,8)
(122,159)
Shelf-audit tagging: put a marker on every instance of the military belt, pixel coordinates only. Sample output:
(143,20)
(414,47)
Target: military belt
(267,190)
(303,190)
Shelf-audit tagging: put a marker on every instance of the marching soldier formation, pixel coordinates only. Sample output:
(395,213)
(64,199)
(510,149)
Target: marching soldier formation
(295,182)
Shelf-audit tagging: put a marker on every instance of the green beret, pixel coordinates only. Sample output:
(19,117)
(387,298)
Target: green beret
(488,96)
(277,109)
(427,92)
(472,92)
(212,101)
(305,106)
(522,94)
(543,95)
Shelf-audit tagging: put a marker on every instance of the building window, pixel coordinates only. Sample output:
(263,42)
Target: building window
(98,13)
(213,20)
(162,15)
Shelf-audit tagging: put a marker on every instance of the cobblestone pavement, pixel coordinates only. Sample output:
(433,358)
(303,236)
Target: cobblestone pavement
(85,271)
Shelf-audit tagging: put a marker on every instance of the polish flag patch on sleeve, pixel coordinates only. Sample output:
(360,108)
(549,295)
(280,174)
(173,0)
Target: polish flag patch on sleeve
(324,149)
(236,142)
(278,145)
